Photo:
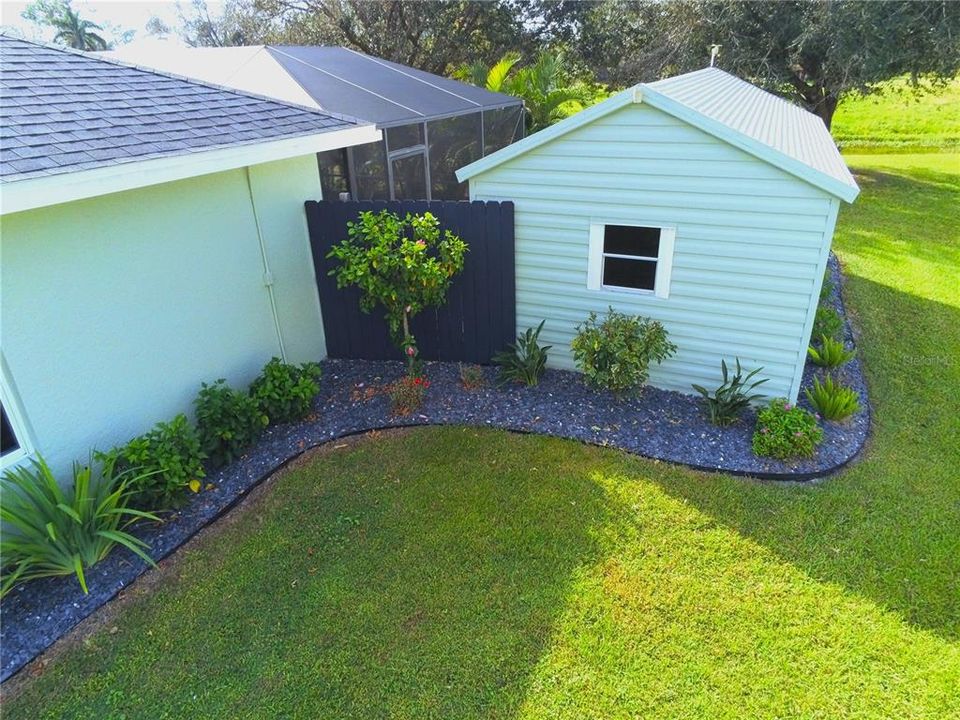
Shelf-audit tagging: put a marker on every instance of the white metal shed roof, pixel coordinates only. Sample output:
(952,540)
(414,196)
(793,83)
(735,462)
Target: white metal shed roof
(733,110)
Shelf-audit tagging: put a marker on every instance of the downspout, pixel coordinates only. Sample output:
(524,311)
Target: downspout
(267,275)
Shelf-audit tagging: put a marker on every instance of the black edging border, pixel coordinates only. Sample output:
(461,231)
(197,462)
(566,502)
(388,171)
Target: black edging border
(66,607)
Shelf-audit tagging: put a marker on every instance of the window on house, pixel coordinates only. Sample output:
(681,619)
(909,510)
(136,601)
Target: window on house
(635,258)
(14,444)
(8,439)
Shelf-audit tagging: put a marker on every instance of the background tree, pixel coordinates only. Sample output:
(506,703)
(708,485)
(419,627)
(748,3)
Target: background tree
(71,29)
(814,52)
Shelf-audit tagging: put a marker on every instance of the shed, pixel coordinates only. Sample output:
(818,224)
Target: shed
(432,125)
(153,238)
(701,201)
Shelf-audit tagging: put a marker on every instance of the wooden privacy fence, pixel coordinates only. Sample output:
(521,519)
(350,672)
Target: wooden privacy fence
(479,317)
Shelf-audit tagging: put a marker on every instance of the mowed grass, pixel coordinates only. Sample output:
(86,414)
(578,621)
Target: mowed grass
(466,573)
(900,119)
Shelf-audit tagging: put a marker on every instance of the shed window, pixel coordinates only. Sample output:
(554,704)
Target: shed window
(635,258)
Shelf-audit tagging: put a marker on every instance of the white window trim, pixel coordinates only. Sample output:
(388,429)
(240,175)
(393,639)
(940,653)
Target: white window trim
(664,259)
(17,422)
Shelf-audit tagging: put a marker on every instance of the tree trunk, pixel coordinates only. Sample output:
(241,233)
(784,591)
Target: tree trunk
(826,108)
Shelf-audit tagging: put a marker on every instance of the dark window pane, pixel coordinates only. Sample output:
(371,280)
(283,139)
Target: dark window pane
(409,178)
(370,168)
(404,136)
(637,274)
(626,240)
(8,441)
(333,173)
(501,127)
(454,142)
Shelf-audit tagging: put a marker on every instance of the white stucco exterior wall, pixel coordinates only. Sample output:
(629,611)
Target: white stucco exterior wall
(114,309)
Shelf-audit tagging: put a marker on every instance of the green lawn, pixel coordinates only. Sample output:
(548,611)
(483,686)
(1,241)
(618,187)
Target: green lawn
(459,573)
(899,120)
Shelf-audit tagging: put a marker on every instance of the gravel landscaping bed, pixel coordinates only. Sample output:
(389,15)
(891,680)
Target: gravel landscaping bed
(658,424)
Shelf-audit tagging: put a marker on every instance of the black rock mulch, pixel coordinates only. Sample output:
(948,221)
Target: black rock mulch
(659,424)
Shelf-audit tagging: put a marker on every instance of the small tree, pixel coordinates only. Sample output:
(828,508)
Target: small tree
(403,265)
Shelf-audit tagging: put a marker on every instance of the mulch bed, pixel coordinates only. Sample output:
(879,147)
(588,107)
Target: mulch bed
(658,424)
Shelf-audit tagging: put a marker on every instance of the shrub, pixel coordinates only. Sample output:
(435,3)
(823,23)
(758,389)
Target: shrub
(228,421)
(832,400)
(52,531)
(404,265)
(615,354)
(786,431)
(525,361)
(284,392)
(831,353)
(166,461)
(407,393)
(733,396)
(472,377)
(827,323)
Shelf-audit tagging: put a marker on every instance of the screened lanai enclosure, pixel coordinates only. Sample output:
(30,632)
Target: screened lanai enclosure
(431,125)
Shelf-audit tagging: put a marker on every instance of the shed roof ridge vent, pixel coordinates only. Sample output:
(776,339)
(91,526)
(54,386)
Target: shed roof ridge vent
(274,48)
(388,66)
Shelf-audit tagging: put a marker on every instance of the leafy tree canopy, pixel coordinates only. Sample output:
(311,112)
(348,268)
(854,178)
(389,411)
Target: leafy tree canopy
(71,29)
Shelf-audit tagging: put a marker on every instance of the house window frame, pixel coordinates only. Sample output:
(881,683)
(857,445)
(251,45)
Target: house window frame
(664,259)
(17,421)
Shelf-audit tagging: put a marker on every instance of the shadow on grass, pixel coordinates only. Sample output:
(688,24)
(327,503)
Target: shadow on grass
(887,528)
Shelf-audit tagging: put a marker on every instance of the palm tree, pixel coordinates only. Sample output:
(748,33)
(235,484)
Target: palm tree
(548,92)
(77,33)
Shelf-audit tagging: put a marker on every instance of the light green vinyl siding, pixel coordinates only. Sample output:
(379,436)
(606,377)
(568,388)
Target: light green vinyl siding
(114,309)
(750,248)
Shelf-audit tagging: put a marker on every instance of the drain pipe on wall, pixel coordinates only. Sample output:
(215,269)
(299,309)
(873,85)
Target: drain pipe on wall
(267,275)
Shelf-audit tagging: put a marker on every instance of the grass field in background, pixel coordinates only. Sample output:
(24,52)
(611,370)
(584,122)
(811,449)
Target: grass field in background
(466,573)
(900,120)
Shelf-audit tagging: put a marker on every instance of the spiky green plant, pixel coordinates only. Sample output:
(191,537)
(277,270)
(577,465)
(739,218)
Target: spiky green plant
(525,361)
(725,404)
(831,353)
(51,531)
(832,400)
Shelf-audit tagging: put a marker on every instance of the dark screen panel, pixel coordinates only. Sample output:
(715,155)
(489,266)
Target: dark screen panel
(635,274)
(627,240)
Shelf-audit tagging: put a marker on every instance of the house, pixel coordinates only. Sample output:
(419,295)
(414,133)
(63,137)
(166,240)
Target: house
(700,201)
(432,125)
(153,236)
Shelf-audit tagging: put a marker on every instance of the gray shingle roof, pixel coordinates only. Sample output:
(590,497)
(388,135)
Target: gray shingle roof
(63,111)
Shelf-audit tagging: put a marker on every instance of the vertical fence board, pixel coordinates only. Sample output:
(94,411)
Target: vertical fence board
(479,317)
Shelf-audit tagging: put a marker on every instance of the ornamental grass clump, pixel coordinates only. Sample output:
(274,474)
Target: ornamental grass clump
(525,361)
(831,353)
(407,394)
(403,265)
(50,531)
(615,353)
(725,404)
(785,431)
(832,400)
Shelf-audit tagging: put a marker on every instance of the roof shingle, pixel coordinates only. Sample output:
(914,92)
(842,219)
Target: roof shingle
(62,111)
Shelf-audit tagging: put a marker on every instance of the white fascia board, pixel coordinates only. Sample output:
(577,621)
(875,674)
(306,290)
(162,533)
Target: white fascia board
(55,189)
(764,152)
(621,99)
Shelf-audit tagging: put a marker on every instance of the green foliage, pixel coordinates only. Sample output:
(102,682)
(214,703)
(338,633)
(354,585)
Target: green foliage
(525,361)
(285,392)
(472,377)
(51,531)
(403,265)
(71,30)
(832,400)
(785,431)
(228,421)
(827,287)
(166,461)
(831,353)
(407,393)
(728,401)
(616,353)
(827,323)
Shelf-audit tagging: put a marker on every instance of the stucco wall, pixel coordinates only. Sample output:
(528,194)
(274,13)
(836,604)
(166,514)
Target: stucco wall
(751,242)
(114,309)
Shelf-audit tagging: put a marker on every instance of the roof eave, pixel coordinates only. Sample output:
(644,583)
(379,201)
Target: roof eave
(36,192)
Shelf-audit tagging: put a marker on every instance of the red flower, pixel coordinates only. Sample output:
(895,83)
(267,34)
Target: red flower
(417,381)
